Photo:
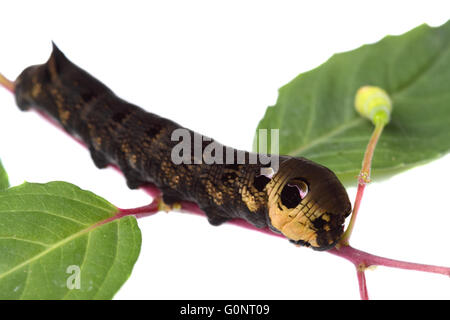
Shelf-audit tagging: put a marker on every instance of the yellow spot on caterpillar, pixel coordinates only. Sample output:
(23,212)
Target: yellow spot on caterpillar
(37,89)
(176,179)
(125,148)
(64,116)
(162,206)
(176,206)
(98,142)
(300,229)
(249,200)
(133,160)
(218,198)
(214,193)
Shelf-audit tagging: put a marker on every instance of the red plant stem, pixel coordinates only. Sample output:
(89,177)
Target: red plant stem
(139,212)
(362,283)
(150,189)
(359,258)
(364,178)
(348,232)
(368,155)
(143,211)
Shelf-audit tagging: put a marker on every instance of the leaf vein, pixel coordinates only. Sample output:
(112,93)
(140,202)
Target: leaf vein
(112,264)
(324,137)
(25,240)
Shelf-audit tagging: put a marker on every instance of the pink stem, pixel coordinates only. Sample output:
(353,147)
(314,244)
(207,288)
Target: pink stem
(191,207)
(244,224)
(138,212)
(56,124)
(141,212)
(358,258)
(363,179)
(150,189)
(359,195)
(362,284)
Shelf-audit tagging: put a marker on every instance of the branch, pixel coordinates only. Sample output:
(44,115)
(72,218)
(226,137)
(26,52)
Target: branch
(362,283)
(7,84)
(363,180)
(357,257)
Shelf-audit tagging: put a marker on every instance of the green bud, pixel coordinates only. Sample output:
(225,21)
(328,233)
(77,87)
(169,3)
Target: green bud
(374,104)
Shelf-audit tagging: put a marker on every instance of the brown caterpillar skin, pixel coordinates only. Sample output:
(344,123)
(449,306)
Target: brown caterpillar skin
(140,144)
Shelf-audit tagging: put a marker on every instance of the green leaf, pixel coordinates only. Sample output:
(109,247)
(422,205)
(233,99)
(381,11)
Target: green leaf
(4,182)
(48,231)
(316,117)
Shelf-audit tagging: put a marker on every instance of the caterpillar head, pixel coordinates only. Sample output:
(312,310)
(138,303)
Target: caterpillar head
(307,203)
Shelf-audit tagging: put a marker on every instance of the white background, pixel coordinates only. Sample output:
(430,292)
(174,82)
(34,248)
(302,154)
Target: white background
(215,67)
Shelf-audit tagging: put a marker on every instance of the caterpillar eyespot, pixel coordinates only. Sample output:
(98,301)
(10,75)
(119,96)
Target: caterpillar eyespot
(301,199)
(301,186)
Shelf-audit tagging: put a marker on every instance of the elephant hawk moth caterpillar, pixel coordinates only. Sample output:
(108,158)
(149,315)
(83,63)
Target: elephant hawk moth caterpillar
(302,200)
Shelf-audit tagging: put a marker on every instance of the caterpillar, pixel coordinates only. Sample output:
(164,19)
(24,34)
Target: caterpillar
(300,199)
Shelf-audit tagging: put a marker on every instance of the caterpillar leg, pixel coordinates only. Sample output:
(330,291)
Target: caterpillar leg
(133,180)
(215,216)
(99,159)
(170,196)
(172,199)
(132,177)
